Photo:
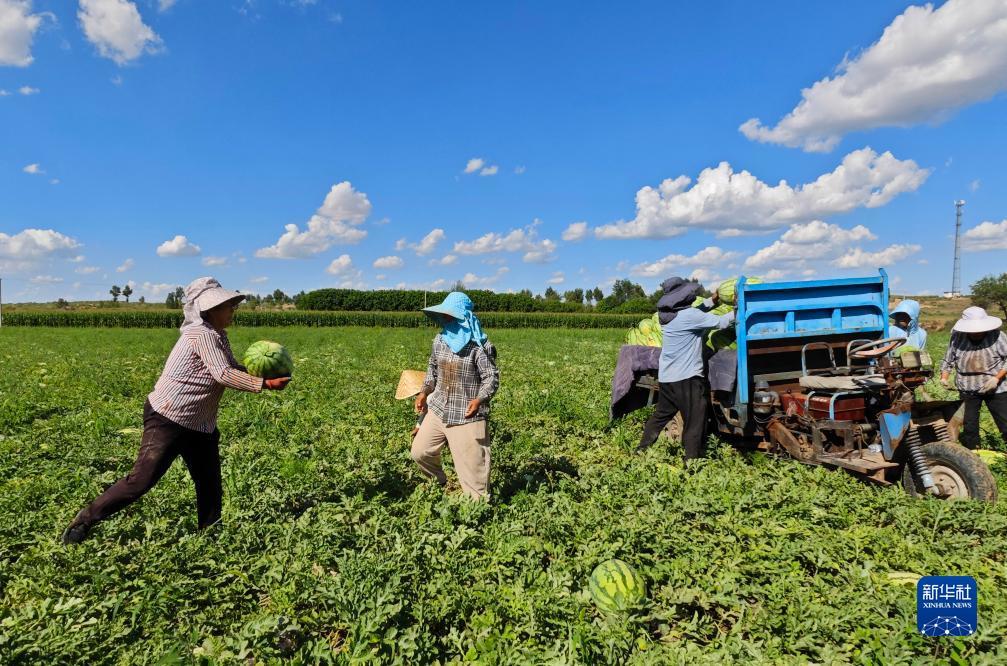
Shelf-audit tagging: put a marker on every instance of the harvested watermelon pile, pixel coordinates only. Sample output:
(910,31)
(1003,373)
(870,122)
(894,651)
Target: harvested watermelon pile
(333,549)
(647,332)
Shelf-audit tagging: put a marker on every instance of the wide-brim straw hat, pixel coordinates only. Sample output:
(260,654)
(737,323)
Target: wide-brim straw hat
(410,383)
(975,320)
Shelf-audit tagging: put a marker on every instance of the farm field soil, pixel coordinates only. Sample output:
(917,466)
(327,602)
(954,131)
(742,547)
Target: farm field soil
(333,550)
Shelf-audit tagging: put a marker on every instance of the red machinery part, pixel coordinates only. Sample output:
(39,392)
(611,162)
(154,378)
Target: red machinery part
(846,409)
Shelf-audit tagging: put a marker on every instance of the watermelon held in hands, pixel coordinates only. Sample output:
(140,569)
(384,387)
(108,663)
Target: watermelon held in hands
(616,586)
(268,360)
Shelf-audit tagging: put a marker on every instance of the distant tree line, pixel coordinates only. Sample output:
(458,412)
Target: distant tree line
(625,297)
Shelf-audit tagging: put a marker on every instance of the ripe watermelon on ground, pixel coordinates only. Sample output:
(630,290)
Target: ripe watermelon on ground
(616,586)
(268,359)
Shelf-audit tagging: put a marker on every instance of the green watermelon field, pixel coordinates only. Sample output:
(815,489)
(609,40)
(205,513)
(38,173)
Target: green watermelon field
(333,549)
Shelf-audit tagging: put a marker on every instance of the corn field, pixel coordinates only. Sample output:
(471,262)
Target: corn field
(173,319)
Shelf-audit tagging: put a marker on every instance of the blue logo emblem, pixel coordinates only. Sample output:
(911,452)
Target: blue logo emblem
(947,605)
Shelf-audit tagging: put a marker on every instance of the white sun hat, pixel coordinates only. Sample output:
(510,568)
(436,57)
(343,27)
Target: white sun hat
(975,320)
(204,294)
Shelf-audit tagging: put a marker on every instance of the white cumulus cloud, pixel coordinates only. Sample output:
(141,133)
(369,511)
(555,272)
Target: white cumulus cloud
(214,261)
(336,221)
(17,30)
(706,276)
(37,244)
(340,265)
(179,246)
(86,270)
(927,63)
(489,171)
(516,240)
(673,264)
(389,262)
(348,276)
(860,258)
(986,236)
(45,279)
(808,244)
(155,290)
(126,265)
(426,245)
(34,169)
(575,232)
(262,279)
(733,203)
(27,91)
(557,278)
(805,248)
(446,260)
(117,30)
(474,164)
(473,280)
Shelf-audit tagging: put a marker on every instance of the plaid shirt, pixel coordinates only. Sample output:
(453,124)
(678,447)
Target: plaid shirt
(195,375)
(453,380)
(975,362)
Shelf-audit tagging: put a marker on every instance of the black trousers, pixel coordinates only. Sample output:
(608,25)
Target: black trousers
(688,396)
(997,403)
(163,441)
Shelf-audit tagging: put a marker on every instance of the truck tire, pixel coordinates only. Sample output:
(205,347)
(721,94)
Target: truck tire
(674,428)
(960,472)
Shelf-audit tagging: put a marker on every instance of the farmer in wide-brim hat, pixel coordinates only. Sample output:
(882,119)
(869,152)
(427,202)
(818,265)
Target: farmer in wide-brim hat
(977,353)
(461,379)
(180,415)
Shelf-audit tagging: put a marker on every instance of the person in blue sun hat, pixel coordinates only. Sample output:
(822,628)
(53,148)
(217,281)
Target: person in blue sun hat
(461,379)
(906,317)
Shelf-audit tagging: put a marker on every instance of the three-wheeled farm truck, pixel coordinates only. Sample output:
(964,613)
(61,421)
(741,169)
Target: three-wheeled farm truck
(817,378)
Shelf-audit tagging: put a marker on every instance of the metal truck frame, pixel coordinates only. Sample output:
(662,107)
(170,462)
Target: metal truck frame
(817,380)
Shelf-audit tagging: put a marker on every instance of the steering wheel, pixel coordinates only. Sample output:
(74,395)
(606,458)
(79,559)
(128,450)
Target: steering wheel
(876,348)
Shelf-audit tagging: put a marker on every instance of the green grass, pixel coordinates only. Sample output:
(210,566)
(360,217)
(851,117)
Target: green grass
(333,550)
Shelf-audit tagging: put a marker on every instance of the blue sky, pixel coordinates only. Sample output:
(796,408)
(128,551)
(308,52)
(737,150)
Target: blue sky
(513,145)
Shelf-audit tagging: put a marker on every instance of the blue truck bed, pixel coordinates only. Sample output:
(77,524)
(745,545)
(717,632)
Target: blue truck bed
(799,312)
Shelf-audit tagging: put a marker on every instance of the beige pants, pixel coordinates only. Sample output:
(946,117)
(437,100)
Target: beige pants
(470,450)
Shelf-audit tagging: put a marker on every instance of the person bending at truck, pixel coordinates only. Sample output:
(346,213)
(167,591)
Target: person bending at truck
(461,379)
(977,353)
(906,317)
(683,385)
(180,415)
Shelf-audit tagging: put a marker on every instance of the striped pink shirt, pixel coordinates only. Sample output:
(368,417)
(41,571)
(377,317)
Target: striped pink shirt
(195,375)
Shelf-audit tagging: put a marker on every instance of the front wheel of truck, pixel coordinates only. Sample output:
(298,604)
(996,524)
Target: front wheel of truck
(958,472)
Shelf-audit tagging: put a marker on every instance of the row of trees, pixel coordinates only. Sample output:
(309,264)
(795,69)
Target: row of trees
(626,297)
(126,292)
(176,299)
